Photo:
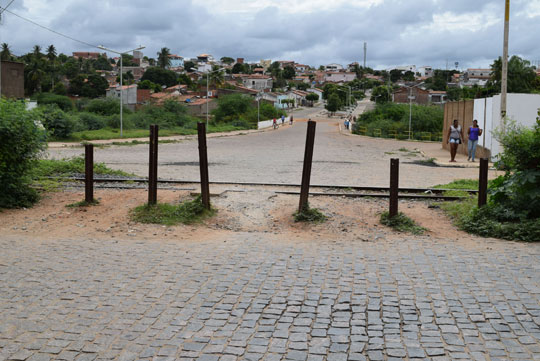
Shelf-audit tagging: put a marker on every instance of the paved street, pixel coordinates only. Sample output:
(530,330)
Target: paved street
(254,297)
(276,156)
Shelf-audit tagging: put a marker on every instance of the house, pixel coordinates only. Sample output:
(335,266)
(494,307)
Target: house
(137,71)
(255,81)
(301,79)
(425,71)
(258,71)
(299,96)
(333,67)
(128,93)
(238,89)
(200,107)
(437,97)
(402,94)
(12,79)
(178,89)
(404,68)
(478,77)
(339,76)
(301,68)
(87,55)
(280,100)
(177,61)
(285,63)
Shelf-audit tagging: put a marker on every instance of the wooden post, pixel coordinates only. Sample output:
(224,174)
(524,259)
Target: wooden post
(152,165)
(394,186)
(203,165)
(308,159)
(89,173)
(483,182)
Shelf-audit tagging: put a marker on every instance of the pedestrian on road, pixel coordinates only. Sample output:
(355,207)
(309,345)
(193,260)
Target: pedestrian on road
(473,132)
(274,123)
(290,120)
(454,138)
(282,119)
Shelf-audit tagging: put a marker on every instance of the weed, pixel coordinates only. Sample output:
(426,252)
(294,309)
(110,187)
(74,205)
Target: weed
(401,223)
(187,212)
(311,215)
(84,203)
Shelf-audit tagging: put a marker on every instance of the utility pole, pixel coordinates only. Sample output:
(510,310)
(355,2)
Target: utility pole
(365,54)
(504,75)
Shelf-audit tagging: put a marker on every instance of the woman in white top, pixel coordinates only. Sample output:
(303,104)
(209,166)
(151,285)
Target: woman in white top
(455,138)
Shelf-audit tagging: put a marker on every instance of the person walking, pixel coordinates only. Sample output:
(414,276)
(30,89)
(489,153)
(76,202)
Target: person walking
(274,123)
(282,119)
(454,138)
(473,132)
(290,120)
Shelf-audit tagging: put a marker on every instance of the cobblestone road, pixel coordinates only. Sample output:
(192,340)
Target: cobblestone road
(252,297)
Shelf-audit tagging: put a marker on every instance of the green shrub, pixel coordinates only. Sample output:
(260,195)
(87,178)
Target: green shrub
(59,124)
(171,114)
(105,106)
(308,214)
(393,118)
(21,141)
(63,102)
(92,121)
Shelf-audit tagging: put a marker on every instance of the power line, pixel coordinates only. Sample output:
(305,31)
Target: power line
(48,29)
(5,8)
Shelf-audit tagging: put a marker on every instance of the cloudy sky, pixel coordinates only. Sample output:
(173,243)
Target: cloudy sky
(314,32)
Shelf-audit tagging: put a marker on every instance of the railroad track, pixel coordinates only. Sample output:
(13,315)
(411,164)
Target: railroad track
(333,190)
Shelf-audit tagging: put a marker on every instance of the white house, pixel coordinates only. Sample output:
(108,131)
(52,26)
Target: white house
(176,61)
(426,71)
(333,67)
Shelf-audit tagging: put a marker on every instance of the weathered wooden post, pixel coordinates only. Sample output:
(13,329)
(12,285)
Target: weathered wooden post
(152,164)
(203,165)
(394,186)
(89,173)
(308,158)
(483,182)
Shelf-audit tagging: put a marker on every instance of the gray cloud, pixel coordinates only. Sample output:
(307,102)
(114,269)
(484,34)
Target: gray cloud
(398,32)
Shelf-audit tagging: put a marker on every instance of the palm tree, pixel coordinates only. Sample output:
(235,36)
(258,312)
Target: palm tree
(35,75)
(5,54)
(51,52)
(163,58)
(37,52)
(216,77)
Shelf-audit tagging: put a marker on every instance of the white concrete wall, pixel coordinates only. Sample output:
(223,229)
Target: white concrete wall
(522,108)
(269,123)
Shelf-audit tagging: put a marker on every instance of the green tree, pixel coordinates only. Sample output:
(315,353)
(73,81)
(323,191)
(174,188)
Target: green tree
(239,68)
(231,107)
(21,142)
(521,75)
(160,76)
(381,94)
(190,66)
(312,97)
(302,86)
(5,54)
(334,103)
(409,76)
(95,86)
(163,60)
(102,63)
(51,53)
(37,52)
(395,75)
(147,84)
(227,60)
(289,72)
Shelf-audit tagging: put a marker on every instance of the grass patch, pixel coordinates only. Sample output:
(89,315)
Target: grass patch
(111,133)
(459,187)
(187,212)
(430,162)
(49,174)
(485,222)
(311,215)
(401,223)
(84,203)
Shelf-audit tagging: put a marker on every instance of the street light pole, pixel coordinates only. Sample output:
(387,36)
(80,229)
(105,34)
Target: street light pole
(121,81)
(504,75)
(410,106)
(207,91)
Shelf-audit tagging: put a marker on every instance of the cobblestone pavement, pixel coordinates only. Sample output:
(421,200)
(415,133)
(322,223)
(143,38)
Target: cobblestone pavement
(254,297)
(276,156)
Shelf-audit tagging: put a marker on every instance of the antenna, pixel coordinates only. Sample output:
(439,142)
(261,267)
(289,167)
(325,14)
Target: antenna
(365,53)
